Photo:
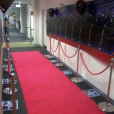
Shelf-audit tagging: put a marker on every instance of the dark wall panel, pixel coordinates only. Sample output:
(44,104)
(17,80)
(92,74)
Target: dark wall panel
(68,23)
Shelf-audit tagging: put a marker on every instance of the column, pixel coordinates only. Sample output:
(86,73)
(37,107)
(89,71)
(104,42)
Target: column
(23,18)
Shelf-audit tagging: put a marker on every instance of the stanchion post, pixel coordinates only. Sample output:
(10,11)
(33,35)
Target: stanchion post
(50,44)
(13,95)
(77,79)
(106,106)
(109,84)
(78,61)
(65,33)
(59,43)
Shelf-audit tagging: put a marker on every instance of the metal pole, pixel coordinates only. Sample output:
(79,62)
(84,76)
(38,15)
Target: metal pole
(106,106)
(65,33)
(109,84)
(13,96)
(78,60)
(50,44)
(77,79)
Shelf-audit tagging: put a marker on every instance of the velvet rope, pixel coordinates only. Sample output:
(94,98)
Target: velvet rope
(7,44)
(52,48)
(89,70)
(9,66)
(66,54)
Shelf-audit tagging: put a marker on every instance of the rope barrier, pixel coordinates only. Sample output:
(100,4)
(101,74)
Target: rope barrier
(78,62)
(109,83)
(91,71)
(52,48)
(11,84)
(7,44)
(66,54)
(59,50)
(9,66)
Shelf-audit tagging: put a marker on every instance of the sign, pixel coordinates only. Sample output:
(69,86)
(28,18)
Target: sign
(5,81)
(7,105)
(31,12)
(91,93)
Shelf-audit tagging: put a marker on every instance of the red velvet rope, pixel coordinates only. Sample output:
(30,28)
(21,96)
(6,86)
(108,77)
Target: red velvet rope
(9,66)
(52,48)
(66,54)
(7,44)
(90,71)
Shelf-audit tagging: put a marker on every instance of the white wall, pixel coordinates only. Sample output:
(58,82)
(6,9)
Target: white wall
(23,19)
(100,81)
(28,21)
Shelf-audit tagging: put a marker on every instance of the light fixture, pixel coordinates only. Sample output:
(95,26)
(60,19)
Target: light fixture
(18,5)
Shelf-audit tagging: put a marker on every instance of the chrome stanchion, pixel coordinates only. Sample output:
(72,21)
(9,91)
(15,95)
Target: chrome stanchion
(77,79)
(13,95)
(8,90)
(6,70)
(106,106)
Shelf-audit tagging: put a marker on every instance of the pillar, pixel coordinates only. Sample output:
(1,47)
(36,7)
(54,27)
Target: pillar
(23,18)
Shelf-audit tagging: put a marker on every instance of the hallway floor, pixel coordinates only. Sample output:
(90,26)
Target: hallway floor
(24,45)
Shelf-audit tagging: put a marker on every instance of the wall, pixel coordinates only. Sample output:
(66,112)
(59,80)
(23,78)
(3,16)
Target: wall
(100,81)
(28,21)
(23,18)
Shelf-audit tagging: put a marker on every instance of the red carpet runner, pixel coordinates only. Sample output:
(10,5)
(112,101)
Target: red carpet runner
(47,90)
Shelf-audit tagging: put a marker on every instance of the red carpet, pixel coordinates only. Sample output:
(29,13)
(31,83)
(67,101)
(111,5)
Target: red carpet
(47,90)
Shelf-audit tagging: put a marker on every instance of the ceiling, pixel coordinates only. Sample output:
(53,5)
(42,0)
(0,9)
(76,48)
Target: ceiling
(23,1)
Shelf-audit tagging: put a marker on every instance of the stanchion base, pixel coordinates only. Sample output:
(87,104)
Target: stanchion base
(75,80)
(49,56)
(15,81)
(103,107)
(53,61)
(8,91)
(59,64)
(6,70)
(6,60)
(6,81)
(6,66)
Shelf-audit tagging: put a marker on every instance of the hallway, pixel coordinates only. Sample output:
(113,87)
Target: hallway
(84,86)
(56,57)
